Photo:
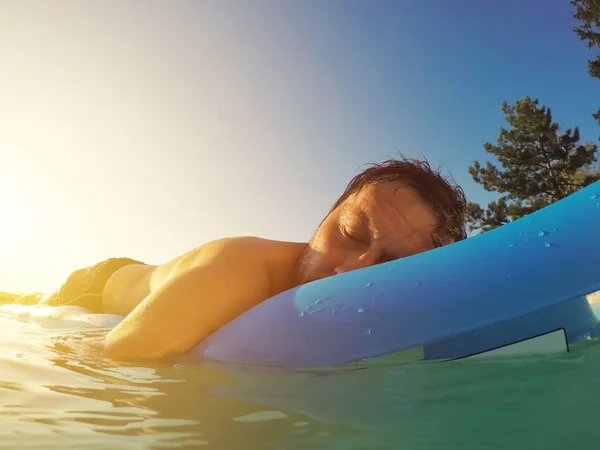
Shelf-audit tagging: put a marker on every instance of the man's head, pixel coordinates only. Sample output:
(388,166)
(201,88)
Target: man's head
(390,210)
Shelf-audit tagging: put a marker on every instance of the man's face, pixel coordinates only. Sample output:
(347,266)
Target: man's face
(382,222)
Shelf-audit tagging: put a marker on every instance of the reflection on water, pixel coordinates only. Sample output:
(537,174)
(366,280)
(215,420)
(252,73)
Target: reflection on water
(58,391)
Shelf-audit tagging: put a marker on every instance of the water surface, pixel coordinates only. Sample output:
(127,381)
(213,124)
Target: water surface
(58,391)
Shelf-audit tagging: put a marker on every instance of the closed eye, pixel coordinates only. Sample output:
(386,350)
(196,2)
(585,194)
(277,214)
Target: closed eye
(350,235)
(355,227)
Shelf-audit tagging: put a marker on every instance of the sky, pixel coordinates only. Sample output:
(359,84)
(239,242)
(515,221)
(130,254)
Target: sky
(145,129)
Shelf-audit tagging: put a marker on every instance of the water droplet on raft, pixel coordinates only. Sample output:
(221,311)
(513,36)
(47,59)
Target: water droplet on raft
(594,197)
(368,284)
(322,299)
(360,310)
(542,233)
(368,331)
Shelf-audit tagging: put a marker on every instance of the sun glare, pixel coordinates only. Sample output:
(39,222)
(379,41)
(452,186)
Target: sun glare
(8,212)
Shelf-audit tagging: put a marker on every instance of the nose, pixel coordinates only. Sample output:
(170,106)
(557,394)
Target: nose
(353,262)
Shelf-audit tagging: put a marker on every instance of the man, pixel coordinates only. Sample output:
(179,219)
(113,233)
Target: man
(391,210)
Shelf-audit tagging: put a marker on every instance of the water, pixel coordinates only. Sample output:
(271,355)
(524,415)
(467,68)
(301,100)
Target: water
(58,392)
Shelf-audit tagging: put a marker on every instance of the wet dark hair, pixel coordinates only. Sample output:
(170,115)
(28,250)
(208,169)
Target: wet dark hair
(447,199)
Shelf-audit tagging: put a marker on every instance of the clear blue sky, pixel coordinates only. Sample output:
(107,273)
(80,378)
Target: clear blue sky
(144,129)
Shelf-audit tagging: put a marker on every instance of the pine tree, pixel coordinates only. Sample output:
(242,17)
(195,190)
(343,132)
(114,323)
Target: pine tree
(588,13)
(540,165)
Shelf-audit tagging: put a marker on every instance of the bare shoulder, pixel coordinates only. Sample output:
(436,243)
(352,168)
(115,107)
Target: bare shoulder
(256,252)
(200,292)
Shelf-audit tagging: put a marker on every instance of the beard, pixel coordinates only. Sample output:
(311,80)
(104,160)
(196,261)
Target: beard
(304,267)
(308,267)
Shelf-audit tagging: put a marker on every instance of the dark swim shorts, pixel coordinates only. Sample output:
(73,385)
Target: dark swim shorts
(84,287)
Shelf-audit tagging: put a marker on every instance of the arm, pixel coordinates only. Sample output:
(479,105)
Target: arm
(193,304)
